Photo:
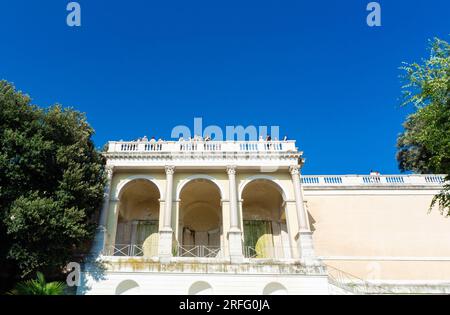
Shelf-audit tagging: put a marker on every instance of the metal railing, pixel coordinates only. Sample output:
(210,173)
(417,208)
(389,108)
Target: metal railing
(178,250)
(130,250)
(123,250)
(251,252)
(198,251)
(269,252)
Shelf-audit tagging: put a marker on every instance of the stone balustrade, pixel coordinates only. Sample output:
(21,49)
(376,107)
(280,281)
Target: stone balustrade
(201,146)
(372,180)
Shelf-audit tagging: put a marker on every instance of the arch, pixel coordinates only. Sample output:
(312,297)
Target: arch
(275,288)
(264,219)
(200,288)
(121,186)
(137,217)
(199,176)
(200,222)
(127,287)
(144,189)
(276,182)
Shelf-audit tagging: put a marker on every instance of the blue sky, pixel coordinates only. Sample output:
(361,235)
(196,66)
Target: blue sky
(314,68)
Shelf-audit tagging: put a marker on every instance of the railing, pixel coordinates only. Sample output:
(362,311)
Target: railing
(179,250)
(252,252)
(198,251)
(358,180)
(353,284)
(124,250)
(269,252)
(202,146)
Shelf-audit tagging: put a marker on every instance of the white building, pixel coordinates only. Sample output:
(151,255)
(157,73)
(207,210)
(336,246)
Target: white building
(238,218)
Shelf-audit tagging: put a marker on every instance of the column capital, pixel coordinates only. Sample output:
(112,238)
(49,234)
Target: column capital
(231,169)
(109,169)
(294,170)
(170,169)
(301,161)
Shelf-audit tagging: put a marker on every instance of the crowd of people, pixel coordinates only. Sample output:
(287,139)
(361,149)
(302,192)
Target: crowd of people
(157,145)
(196,138)
(269,138)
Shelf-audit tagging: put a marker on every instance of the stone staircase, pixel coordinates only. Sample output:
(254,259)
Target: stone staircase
(343,283)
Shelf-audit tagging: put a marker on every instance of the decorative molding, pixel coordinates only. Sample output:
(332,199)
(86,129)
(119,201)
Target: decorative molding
(371,191)
(170,169)
(294,170)
(384,258)
(109,169)
(231,169)
(204,155)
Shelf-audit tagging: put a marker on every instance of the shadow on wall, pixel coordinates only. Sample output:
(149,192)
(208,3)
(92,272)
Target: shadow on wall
(312,222)
(275,288)
(128,287)
(93,270)
(200,288)
(131,287)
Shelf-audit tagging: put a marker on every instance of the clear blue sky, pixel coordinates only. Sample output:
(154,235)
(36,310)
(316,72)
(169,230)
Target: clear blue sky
(314,68)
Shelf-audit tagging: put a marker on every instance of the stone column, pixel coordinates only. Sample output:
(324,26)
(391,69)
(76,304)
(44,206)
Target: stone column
(91,265)
(224,246)
(234,234)
(306,246)
(112,222)
(106,197)
(100,235)
(166,233)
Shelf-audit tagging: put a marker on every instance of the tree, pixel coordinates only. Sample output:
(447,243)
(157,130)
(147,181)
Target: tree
(38,286)
(51,184)
(424,145)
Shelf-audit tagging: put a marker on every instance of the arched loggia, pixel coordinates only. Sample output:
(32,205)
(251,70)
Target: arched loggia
(200,219)
(138,219)
(264,220)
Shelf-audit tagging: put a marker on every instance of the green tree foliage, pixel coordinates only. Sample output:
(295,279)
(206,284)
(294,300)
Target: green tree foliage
(38,286)
(424,146)
(51,183)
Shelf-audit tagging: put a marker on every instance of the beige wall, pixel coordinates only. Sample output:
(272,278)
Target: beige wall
(403,241)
